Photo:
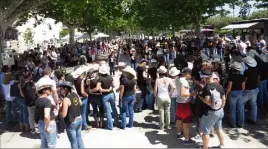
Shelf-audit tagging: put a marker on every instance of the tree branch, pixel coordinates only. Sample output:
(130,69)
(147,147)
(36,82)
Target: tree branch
(10,8)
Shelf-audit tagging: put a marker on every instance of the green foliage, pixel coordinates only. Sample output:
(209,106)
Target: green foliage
(64,32)
(259,14)
(28,36)
(221,21)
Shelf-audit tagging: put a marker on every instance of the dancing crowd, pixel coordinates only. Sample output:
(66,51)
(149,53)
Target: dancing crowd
(184,79)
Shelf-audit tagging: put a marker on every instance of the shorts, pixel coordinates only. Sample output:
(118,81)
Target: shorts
(184,112)
(212,119)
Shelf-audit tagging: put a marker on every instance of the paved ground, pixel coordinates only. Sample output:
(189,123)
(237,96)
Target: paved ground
(145,134)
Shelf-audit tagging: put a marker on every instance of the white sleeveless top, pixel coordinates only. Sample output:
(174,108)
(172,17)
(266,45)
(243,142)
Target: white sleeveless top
(162,88)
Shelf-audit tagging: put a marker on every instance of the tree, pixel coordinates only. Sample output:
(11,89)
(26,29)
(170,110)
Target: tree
(220,21)
(10,10)
(28,36)
(64,32)
(245,8)
(259,14)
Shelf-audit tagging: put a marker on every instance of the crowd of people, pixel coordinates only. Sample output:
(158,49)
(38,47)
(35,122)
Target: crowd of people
(184,79)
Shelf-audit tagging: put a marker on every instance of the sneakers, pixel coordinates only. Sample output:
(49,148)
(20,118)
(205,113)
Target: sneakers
(188,142)
(179,136)
(197,138)
(33,131)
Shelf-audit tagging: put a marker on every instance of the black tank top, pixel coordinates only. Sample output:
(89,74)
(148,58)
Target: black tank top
(74,110)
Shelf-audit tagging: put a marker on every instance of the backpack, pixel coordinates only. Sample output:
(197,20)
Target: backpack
(37,75)
(216,102)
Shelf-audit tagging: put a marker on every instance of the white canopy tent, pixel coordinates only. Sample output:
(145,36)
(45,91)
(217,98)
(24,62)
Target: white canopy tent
(101,35)
(239,26)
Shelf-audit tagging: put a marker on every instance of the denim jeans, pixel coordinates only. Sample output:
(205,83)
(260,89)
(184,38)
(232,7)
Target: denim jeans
(11,110)
(128,105)
(251,96)
(112,69)
(140,104)
(173,110)
(164,111)
(84,110)
(109,101)
(121,106)
(133,65)
(97,105)
(219,52)
(23,116)
(166,57)
(263,93)
(74,134)
(48,140)
(236,101)
(212,119)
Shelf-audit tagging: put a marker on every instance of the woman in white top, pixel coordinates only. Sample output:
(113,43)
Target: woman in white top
(173,73)
(161,91)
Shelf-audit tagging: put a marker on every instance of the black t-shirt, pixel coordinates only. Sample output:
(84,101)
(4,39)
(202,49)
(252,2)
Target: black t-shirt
(93,84)
(140,79)
(263,68)
(77,84)
(106,82)
(28,89)
(206,91)
(252,75)
(40,105)
(128,86)
(237,80)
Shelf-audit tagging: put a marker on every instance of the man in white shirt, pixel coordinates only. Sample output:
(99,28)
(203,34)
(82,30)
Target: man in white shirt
(183,110)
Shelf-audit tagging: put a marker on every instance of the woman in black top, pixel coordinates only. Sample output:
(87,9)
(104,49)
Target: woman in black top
(235,88)
(95,99)
(127,95)
(71,112)
(111,58)
(105,86)
(45,117)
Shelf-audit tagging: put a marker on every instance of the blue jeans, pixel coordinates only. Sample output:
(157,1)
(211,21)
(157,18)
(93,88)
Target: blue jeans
(128,105)
(251,96)
(263,93)
(236,101)
(140,104)
(74,133)
(133,65)
(109,100)
(48,140)
(166,57)
(121,106)
(173,110)
(23,117)
(212,119)
(11,110)
(219,52)
(84,111)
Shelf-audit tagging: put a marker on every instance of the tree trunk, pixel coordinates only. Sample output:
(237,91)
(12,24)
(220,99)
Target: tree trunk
(2,36)
(71,36)
(198,25)
(89,34)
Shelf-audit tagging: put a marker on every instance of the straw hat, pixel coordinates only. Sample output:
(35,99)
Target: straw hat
(250,61)
(174,72)
(162,69)
(103,69)
(130,71)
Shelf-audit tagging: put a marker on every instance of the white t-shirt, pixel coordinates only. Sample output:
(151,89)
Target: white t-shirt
(182,82)
(6,91)
(174,94)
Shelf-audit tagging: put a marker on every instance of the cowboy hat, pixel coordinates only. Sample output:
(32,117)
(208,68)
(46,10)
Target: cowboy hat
(162,69)
(237,66)
(103,69)
(121,64)
(65,84)
(157,44)
(250,61)
(102,63)
(130,71)
(42,84)
(174,72)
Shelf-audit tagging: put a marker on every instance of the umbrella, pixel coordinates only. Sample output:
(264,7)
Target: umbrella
(84,36)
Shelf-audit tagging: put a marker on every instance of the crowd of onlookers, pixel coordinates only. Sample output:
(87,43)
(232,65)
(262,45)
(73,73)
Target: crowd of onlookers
(182,78)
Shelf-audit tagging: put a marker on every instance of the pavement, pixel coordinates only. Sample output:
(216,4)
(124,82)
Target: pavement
(144,134)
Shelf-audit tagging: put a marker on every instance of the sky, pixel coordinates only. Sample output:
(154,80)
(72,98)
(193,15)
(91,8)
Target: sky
(237,9)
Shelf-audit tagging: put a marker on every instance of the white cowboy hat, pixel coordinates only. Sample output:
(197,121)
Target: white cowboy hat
(121,64)
(250,61)
(131,71)
(162,69)
(237,66)
(157,44)
(174,72)
(103,69)
(102,63)
(43,83)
